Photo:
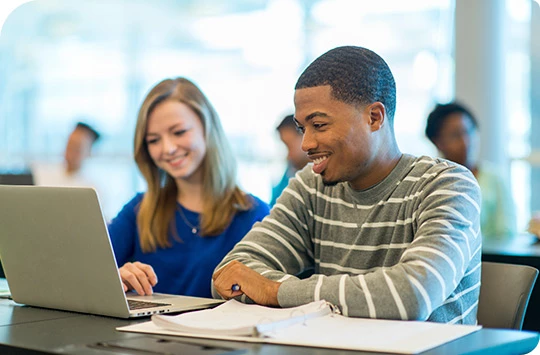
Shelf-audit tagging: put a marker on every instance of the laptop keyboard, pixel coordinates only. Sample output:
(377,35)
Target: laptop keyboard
(141,304)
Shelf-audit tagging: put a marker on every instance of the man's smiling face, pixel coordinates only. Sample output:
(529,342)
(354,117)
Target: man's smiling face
(337,135)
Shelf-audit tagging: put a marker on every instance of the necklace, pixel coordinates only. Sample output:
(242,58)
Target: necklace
(194,229)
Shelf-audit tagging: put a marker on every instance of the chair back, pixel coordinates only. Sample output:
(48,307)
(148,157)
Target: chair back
(504,294)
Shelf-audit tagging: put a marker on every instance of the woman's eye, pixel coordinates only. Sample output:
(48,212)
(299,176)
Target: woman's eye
(179,133)
(151,141)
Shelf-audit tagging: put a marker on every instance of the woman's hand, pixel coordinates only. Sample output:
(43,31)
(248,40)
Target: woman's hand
(139,277)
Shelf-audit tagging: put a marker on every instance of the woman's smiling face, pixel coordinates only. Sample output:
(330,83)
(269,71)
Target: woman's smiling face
(175,140)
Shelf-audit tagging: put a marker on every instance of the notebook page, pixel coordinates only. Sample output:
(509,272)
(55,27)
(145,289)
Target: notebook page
(233,318)
(403,337)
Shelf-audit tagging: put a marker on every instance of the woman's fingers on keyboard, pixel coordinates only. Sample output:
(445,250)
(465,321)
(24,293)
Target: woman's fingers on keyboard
(149,271)
(136,279)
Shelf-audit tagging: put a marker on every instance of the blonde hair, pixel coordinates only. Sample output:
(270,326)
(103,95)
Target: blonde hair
(221,195)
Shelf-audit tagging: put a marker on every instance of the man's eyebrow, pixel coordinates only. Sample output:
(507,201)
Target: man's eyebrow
(312,116)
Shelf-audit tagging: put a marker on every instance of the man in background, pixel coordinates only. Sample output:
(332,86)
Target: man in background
(296,157)
(79,147)
(70,172)
(74,171)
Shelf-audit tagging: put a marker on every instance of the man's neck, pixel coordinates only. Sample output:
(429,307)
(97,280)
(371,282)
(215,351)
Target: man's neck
(378,169)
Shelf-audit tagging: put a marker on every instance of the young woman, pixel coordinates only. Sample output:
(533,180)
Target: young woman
(170,238)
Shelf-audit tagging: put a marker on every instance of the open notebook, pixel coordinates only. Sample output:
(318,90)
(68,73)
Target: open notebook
(312,325)
(248,320)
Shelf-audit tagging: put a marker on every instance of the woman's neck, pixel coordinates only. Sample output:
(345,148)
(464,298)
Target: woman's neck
(190,195)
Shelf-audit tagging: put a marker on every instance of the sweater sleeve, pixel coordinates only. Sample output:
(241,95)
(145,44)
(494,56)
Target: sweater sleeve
(279,246)
(123,231)
(446,239)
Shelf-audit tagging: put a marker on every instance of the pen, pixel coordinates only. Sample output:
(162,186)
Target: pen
(235,287)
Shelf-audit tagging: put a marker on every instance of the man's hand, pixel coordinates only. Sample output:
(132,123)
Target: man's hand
(260,289)
(139,277)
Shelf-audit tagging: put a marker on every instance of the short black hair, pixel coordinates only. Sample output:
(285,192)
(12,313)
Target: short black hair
(441,112)
(357,75)
(95,134)
(288,122)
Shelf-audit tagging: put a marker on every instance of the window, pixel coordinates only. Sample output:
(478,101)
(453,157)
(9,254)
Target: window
(63,60)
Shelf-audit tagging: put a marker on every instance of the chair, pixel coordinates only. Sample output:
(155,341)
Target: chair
(504,294)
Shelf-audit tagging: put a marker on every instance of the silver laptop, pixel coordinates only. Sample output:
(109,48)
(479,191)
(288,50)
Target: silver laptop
(56,253)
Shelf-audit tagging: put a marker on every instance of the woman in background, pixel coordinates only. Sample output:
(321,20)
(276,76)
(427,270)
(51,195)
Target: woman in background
(170,238)
(453,129)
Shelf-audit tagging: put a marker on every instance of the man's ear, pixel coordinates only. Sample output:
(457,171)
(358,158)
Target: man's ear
(377,114)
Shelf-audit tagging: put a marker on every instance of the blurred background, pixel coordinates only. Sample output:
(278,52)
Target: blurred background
(63,61)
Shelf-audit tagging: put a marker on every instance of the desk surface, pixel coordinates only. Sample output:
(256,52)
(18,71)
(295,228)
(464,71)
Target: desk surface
(34,330)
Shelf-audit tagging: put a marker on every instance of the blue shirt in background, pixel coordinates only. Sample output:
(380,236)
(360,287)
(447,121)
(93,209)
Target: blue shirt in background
(282,184)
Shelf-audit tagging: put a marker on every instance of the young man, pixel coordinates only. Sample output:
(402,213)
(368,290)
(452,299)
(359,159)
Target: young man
(72,171)
(388,235)
(79,147)
(296,157)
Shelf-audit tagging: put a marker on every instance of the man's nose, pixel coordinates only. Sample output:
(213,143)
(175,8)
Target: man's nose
(308,142)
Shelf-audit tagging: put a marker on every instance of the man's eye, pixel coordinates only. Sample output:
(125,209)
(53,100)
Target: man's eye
(300,129)
(319,125)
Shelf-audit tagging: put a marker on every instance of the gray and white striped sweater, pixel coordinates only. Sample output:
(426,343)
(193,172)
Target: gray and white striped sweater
(408,248)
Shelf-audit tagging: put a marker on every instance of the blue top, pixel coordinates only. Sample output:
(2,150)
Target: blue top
(282,184)
(186,267)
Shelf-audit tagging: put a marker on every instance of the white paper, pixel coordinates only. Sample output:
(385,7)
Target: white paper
(235,318)
(338,332)
(406,337)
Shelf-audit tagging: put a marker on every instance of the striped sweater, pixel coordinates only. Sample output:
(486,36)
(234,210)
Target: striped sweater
(407,248)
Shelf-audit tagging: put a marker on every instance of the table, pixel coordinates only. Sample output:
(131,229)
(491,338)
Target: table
(29,330)
(523,249)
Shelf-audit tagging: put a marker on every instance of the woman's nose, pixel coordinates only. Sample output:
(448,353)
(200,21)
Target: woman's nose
(168,146)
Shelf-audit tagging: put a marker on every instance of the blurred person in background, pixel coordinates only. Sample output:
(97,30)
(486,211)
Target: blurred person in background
(453,129)
(296,157)
(79,147)
(74,170)
(78,150)
(170,238)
